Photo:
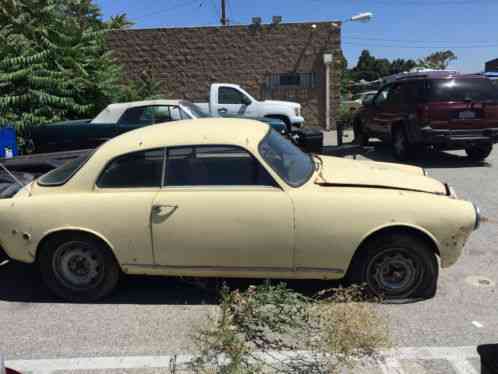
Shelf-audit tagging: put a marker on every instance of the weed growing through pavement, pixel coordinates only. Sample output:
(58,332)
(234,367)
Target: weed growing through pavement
(273,329)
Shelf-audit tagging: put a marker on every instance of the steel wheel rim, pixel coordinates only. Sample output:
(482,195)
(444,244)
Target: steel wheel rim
(78,265)
(394,272)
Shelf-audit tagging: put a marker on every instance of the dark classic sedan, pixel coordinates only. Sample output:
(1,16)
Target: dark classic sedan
(119,118)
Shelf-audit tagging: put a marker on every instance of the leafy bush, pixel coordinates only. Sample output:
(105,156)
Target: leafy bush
(272,329)
(54,64)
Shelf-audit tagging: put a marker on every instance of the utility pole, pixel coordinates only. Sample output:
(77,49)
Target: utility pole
(224,19)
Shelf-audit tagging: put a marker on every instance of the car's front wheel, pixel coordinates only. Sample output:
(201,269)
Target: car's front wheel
(479,152)
(402,149)
(78,267)
(396,266)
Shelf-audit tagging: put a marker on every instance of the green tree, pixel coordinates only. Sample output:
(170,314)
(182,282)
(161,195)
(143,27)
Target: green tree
(53,61)
(437,60)
(400,65)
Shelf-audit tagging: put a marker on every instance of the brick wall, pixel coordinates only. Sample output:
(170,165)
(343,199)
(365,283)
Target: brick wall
(188,60)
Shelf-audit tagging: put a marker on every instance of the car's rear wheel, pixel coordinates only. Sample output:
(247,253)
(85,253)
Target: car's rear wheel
(479,152)
(402,149)
(78,267)
(396,266)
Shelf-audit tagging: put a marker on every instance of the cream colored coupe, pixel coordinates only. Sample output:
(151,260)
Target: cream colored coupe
(233,198)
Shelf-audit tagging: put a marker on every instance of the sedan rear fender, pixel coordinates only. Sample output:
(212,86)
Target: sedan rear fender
(72,229)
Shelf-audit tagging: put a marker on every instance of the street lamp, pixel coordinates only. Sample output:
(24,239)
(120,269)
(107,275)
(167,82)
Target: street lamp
(327,60)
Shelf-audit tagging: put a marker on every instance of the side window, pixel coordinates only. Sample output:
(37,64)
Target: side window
(214,166)
(134,116)
(229,95)
(160,114)
(138,169)
(413,92)
(381,98)
(394,96)
(146,115)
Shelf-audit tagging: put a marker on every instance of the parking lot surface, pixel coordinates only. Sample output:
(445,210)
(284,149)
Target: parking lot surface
(151,319)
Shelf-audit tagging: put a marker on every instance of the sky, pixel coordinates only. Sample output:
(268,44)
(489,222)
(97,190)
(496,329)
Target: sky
(399,29)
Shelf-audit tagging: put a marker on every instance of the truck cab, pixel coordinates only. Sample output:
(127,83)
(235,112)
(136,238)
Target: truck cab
(227,99)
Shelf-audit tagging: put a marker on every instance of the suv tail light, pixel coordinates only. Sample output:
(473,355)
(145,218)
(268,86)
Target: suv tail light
(423,114)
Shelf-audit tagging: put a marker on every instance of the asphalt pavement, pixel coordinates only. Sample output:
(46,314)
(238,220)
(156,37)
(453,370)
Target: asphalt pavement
(153,318)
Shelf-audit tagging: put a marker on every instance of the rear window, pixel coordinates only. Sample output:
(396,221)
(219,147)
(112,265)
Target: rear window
(462,90)
(63,173)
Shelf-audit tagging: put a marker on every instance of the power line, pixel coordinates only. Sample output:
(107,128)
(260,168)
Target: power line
(482,43)
(181,4)
(422,47)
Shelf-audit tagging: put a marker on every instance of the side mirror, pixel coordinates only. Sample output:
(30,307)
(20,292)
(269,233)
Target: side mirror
(246,101)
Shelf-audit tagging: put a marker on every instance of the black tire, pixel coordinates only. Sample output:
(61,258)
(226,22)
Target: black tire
(409,267)
(479,152)
(402,149)
(360,136)
(68,259)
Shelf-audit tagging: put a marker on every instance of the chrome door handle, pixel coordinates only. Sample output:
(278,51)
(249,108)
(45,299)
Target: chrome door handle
(164,210)
(223,110)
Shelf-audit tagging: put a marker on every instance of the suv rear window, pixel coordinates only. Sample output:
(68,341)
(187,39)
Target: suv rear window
(472,89)
(62,174)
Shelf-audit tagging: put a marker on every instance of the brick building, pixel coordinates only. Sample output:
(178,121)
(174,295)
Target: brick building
(277,61)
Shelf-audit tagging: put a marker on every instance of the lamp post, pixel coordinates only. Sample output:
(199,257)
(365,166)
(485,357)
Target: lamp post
(328,60)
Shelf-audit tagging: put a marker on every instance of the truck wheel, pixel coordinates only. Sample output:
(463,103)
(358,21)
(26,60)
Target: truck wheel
(396,266)
(360,137)
(479,152)
(78,267)
(402,149)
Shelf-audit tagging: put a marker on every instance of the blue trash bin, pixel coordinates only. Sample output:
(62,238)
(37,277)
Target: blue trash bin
(8,142)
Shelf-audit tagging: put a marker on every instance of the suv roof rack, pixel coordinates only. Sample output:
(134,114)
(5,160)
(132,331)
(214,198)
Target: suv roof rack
(419,73)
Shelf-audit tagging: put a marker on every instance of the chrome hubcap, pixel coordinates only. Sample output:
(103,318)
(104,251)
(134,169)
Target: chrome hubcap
(78,265)
(393,272)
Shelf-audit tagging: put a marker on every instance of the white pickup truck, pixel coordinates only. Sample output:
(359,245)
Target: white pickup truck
(231,99)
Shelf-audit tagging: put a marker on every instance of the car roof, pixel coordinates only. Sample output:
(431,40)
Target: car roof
(113,112)
(234,131)
(438,75)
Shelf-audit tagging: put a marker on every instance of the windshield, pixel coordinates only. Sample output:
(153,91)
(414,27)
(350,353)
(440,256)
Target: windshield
(288,161)
(195,109)
(462,90)
(64,172)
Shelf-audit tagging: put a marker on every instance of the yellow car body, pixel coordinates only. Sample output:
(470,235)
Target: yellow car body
(309,231)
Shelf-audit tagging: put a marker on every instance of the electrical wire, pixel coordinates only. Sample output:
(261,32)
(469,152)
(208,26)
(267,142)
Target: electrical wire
(181,4)
(420,46)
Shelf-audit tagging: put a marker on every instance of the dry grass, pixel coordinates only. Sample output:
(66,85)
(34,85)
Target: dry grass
(337,329)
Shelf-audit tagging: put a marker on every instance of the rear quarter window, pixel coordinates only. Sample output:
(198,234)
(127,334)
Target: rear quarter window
(64,173)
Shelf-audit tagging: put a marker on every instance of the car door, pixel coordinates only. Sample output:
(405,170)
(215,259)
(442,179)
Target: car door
(385,110)
(126,189)
(221,211)
(231,102)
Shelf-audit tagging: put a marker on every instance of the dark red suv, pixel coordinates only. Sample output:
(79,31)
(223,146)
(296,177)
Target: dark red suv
(444,110)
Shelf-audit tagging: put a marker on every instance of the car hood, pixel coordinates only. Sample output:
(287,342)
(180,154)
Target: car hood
(290,104)
(353,173)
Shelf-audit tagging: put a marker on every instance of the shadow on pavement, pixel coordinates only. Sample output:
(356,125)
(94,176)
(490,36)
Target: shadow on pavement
(424,158)
(22,283)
